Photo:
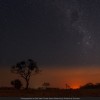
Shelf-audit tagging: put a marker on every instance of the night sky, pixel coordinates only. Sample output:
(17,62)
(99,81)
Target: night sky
(51,32)
(62,36)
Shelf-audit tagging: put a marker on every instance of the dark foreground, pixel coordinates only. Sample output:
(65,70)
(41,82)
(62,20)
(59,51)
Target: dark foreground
(50,93)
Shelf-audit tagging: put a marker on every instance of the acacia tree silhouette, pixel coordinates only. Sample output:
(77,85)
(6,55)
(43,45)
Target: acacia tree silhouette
(25,69)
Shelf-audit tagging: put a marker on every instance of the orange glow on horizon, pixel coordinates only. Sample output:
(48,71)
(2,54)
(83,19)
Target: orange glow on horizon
(56,76)
(75,86)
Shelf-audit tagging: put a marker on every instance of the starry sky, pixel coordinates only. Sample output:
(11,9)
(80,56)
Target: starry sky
(62,36)
(52,32)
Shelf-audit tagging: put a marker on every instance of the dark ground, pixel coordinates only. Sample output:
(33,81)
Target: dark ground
(50,93)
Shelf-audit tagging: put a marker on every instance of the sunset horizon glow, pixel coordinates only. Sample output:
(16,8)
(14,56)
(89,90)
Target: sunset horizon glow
(58,77)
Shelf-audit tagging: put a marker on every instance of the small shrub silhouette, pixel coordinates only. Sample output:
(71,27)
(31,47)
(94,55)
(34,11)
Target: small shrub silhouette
(16,83)
(46,85)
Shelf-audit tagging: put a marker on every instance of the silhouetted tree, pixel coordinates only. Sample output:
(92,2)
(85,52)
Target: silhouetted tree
(16,83)
(91,86)
(25,69)
(46,85)
(88,86)
(67,86)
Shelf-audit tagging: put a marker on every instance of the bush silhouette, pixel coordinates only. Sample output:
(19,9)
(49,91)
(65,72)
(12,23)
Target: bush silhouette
(46,85)
(90,86)
(16,83)
(97,85)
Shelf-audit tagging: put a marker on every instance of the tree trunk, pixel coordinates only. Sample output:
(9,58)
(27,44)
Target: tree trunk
(27,84)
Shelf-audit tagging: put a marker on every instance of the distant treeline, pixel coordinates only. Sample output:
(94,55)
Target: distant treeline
(90,86)
(86,86)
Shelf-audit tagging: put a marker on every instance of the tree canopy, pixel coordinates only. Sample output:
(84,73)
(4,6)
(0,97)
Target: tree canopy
(25,69)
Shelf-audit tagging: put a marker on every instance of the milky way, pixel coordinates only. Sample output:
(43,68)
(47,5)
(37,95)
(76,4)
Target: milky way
(87,42)
(54,32)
